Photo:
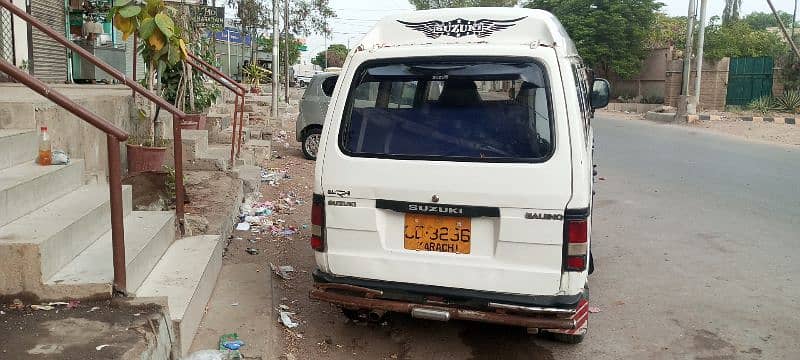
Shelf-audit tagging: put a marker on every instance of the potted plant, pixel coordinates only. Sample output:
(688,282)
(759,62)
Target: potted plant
(255,74)
(161,45)
(197,95)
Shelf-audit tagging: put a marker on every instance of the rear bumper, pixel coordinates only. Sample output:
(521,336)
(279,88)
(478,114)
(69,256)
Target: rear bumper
(563,312)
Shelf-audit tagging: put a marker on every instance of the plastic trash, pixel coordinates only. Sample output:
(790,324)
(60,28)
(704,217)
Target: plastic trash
(59,158)
(243,226)
(45,150)
(251,251)
(42,307)
(282,271)
(230,340)
(286,320)
(101,347)
(206,355)
(233,345)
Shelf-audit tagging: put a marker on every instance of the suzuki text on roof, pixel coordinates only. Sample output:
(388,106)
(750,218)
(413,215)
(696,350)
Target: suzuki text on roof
(454,173)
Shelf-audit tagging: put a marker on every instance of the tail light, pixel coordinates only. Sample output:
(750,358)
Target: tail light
(576,241)
(318,223)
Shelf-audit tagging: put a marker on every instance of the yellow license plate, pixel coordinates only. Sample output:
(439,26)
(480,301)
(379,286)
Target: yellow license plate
(437,233)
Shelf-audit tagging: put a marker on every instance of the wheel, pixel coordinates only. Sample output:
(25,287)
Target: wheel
(567,338)
(591,263)
(354,315)
(311,143)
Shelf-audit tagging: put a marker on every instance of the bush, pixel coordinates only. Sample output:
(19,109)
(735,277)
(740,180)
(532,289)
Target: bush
(763,105)
(790,101)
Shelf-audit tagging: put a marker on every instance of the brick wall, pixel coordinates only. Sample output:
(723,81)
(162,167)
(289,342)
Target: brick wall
(714,87)
(777,82)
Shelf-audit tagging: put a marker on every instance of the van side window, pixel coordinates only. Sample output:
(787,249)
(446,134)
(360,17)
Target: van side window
(582,89)
(456,110)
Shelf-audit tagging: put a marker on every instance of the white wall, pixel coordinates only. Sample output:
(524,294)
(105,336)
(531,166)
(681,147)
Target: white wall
(20,35)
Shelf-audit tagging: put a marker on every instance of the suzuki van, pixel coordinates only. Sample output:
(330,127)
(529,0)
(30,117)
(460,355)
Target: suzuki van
(454,173)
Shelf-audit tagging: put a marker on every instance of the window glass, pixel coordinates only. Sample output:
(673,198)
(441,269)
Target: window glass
(466,111)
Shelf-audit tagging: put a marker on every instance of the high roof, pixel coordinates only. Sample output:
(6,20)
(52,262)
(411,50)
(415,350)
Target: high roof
(470,25)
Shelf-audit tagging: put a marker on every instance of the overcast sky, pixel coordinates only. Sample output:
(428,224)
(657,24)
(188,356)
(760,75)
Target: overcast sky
(355,19)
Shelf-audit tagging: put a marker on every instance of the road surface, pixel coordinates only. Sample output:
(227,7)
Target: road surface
(696,239)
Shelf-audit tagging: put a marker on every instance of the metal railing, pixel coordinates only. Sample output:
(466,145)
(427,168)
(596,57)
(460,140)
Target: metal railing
(240,96)
(115,135)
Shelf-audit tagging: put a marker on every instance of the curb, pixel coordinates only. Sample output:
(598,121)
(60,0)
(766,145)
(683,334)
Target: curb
(777,120)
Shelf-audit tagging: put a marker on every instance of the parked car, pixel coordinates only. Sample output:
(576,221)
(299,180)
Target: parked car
(313,107)
(454,173)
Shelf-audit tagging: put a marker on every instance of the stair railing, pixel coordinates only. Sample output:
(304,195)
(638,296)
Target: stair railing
(240,97)
(224,80)
(114,135)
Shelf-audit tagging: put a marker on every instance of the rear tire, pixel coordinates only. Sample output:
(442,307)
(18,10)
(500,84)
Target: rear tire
(591,263)
(353,315)
(311,143)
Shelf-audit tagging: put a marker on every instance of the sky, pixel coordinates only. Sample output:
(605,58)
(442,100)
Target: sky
(354,19)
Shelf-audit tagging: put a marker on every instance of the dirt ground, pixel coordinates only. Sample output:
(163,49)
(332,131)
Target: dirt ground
(73,333)
(785,134)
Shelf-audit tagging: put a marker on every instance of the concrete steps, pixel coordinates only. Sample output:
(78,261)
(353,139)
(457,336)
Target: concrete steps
(66,226)
(186,276)
(28,186)
(16,146)
(55,238)
(148,234)
(197,155)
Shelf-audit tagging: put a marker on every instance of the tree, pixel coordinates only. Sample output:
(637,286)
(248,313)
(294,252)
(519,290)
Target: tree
(610,34)
(294,44)
(437,4)
(763,20)
(336,53)
(731,11)
(667,31)
(738,39)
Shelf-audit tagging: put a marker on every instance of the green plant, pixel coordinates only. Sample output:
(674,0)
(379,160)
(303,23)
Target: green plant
(255,74)
(763,105)
(169,183)
(161,42)
(790,101)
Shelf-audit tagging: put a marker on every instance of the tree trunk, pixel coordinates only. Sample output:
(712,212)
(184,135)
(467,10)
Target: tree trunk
(150,86)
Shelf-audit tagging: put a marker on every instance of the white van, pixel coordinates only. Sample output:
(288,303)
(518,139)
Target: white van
(454,174)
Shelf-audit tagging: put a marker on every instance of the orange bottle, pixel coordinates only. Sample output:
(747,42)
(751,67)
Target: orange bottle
(45,150)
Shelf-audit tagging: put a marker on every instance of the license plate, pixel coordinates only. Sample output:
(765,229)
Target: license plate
(437,233)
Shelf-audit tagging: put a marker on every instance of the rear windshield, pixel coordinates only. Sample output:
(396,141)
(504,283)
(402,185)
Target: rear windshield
(455,110)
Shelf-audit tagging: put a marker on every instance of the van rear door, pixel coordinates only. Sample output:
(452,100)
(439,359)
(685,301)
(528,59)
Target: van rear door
(449,172)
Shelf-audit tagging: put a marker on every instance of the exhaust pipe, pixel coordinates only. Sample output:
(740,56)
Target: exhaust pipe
(376,315)
(430,314)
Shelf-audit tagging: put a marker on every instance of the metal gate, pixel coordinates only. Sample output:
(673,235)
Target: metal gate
(6,36)
(749,79)
(49,62)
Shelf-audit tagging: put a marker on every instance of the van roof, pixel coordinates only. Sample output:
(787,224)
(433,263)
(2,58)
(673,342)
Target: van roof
(470,25)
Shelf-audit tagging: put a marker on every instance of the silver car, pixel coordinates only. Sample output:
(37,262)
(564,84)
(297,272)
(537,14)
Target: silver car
(313,107)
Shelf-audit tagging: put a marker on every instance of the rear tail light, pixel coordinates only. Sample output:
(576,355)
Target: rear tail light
(318,223)
(576,240)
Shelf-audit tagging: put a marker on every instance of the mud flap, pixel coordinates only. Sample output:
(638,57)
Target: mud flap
(581,318)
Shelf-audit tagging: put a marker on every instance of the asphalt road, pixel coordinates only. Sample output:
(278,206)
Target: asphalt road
(696,239)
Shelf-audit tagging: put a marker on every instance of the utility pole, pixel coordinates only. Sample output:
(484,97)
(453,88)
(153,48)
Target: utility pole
(275,58)
(286,51)
(683,106)
(701,37)
(783,29)
(326,53)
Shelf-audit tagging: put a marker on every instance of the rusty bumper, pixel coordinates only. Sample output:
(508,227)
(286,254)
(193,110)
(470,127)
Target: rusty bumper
(356,298)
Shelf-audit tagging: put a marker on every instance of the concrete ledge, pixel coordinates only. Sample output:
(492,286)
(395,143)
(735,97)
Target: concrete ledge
(660,117)
(777,120)
(633,107)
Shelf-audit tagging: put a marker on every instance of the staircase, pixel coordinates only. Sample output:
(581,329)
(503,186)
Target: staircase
(55,240)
